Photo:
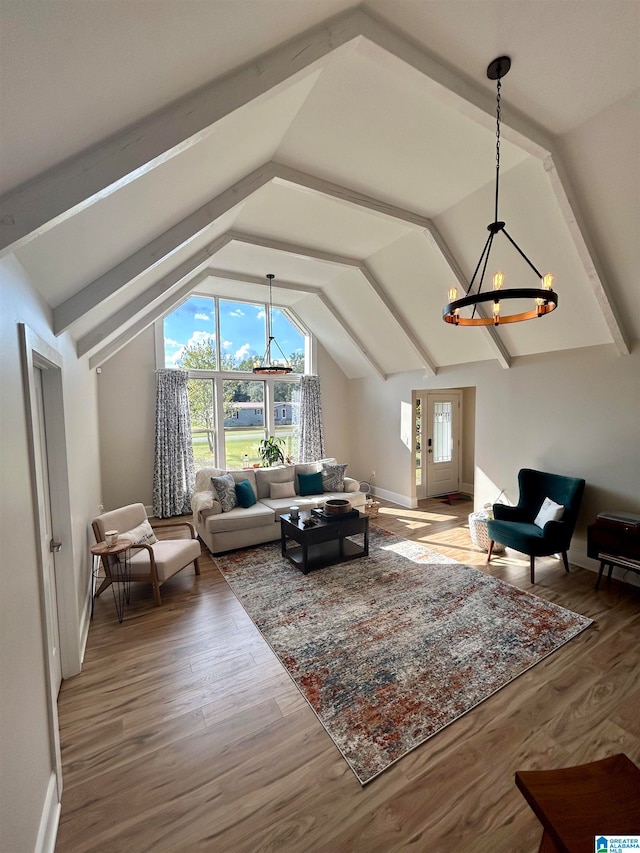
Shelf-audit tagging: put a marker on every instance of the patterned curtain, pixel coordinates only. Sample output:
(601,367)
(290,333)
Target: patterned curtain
(174,471)
(309,416)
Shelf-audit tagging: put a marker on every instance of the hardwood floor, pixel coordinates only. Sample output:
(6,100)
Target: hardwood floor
(183,731)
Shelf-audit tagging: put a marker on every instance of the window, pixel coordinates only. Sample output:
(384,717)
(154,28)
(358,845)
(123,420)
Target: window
(218,340)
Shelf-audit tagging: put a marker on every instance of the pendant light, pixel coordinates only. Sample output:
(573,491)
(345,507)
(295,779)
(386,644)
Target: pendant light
(543,298)
(268,366)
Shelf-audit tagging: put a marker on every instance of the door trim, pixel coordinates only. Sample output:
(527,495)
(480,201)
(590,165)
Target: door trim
(36,353)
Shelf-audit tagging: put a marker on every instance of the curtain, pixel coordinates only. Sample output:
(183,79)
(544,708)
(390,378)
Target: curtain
(310,438)
(174,470)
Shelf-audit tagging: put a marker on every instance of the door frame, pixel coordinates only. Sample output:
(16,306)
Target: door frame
(36,353)
(423,395)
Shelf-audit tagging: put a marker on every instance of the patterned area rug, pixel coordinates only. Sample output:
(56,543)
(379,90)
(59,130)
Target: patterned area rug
(389,649)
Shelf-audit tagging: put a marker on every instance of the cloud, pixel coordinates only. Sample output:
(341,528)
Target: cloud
(170,343)
(243,352)
(261,314)
(201,317)
(238,312)
(171,359)
(200,337)
(225,344)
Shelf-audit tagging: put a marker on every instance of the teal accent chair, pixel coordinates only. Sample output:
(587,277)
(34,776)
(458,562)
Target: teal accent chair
(513,525)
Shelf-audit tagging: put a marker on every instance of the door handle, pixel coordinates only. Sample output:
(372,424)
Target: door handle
(54,546)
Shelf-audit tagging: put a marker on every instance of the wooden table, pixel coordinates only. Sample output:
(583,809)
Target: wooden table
(117,567)
(325,542)
(576,805)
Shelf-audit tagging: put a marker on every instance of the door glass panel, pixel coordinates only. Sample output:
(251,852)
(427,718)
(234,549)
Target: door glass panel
(418,442)
(442,432)
(244,425)
(202,412)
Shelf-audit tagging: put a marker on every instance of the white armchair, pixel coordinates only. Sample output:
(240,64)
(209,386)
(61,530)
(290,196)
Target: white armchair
(152,560)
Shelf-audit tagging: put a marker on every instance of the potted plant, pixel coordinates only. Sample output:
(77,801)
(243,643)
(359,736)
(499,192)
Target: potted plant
(269,450)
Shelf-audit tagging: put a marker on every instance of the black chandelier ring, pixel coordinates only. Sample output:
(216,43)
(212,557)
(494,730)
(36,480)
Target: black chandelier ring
(546,301)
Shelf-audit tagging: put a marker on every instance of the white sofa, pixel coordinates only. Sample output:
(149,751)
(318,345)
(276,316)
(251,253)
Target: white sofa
(239,527)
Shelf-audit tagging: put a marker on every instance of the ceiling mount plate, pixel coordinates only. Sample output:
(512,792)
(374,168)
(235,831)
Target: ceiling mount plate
(498,69)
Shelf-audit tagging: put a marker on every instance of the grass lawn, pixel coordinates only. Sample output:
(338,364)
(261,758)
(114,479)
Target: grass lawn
(245,442)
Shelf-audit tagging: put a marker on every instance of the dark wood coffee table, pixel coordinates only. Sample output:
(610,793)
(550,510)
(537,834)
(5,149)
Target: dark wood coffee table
(324,543)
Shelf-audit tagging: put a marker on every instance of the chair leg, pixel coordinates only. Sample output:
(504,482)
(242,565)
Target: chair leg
(489,552)
(532,567)
(196,565)
(156,593)
(565,561)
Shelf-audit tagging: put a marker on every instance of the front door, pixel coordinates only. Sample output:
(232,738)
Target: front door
(440,442)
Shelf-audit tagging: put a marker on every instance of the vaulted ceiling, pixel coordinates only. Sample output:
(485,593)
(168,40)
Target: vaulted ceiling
(148,150)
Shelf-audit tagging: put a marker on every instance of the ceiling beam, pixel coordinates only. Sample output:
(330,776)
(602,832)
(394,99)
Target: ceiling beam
(142,323)
(354,263)
(579,233)
(136,306)
(98,171)
(90,296)
(95,173)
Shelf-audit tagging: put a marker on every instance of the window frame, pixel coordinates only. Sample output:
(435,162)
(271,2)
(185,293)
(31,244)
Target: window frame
(218,376)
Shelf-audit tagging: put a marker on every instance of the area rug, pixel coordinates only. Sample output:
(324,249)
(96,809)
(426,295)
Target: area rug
(389,649)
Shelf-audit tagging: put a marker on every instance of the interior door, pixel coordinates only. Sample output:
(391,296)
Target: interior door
(441,441)
(46,532)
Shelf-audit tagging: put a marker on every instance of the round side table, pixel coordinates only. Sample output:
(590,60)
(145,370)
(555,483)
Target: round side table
(117,566)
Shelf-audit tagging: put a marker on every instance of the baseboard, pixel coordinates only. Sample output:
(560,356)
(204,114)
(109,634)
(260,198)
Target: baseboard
(395,498)
(46,841)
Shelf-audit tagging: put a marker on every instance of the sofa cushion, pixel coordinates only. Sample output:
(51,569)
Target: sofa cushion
(282,490)
(280,505)
(239,518)
(266,476)
(333,477)
(170,555)
(310,484)
(225,487)
(245,495)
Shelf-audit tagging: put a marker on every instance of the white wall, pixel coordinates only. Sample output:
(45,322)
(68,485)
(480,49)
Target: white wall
(25,744)
(126,401)
(127,404)
(574,413)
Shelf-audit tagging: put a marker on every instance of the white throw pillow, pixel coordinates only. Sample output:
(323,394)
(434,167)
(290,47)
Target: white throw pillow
(282,490)
(141,535)
(549,511)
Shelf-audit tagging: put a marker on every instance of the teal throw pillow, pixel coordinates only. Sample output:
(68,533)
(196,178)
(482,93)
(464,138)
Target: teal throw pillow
(310,484)
(245,494)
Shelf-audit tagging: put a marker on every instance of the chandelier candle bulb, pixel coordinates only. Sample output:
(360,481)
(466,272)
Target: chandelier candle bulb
(475,301)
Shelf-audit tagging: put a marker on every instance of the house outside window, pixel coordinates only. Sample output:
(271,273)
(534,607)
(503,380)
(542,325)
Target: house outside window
(219,341)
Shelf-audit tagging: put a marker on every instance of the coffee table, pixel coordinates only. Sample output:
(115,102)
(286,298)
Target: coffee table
(324,543)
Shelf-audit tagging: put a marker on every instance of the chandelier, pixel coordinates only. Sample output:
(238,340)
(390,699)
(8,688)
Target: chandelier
(269,366)
(543,298)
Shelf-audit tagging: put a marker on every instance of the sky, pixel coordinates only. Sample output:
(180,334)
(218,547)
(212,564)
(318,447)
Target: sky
(242,329)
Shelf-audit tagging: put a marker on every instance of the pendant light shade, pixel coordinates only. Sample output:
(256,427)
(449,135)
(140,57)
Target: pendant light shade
(270,366)
(542,299)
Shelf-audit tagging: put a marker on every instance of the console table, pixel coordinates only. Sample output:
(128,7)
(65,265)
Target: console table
(614,539)
(323,543)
